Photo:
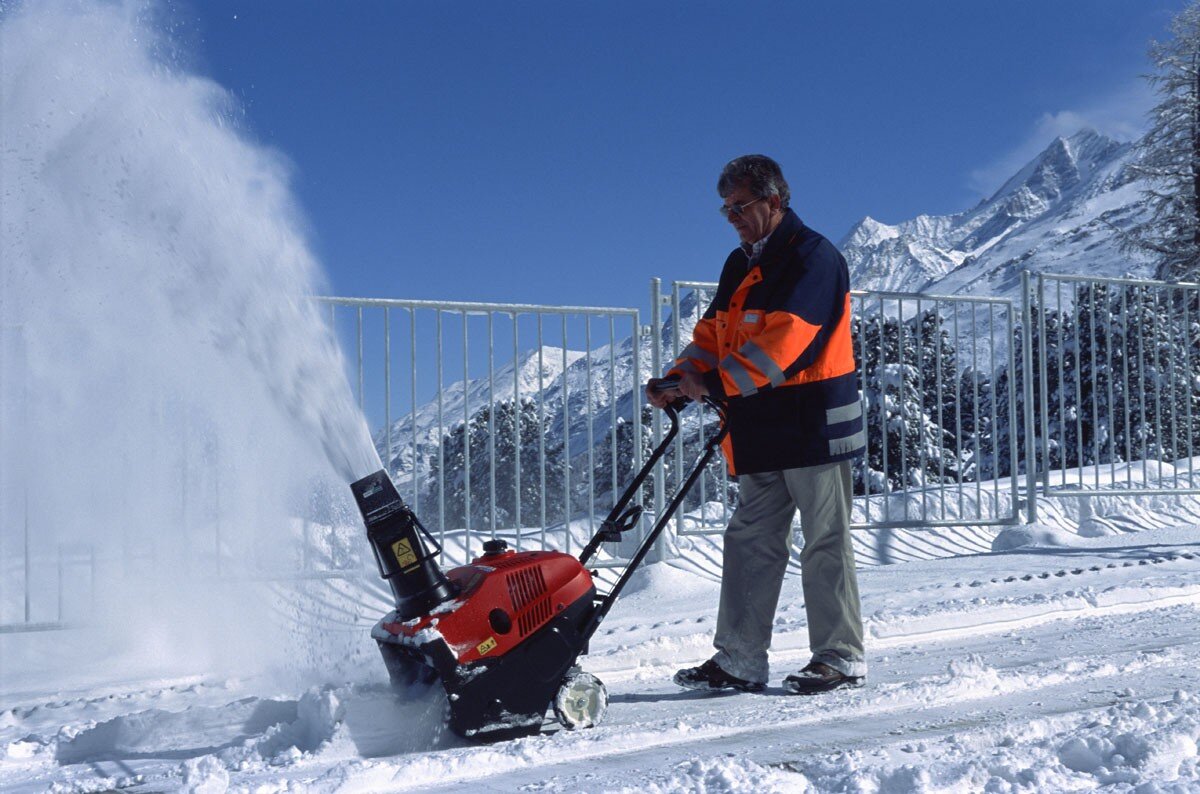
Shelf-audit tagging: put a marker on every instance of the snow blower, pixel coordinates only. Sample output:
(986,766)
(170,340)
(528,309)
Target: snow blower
(504,633)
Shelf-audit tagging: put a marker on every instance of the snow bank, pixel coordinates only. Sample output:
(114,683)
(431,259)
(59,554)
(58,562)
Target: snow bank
(714,775)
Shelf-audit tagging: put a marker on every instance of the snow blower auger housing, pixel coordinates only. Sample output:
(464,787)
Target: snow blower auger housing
(503,633)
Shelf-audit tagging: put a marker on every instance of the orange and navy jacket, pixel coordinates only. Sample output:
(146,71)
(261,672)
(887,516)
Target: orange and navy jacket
(775,344)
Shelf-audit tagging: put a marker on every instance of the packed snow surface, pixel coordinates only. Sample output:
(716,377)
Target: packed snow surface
(1062,664)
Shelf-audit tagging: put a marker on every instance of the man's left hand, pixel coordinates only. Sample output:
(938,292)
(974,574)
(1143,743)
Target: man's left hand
(692,386)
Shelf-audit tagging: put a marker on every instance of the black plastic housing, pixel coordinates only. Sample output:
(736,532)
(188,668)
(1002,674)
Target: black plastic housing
(403,558)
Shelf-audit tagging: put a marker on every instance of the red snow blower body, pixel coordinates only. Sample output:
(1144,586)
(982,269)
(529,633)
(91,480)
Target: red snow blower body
(503,633)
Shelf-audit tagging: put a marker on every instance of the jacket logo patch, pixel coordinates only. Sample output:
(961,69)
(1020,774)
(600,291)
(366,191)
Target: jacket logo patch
(751,317)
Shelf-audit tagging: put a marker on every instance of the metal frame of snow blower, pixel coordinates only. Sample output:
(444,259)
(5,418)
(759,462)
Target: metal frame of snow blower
(624,517)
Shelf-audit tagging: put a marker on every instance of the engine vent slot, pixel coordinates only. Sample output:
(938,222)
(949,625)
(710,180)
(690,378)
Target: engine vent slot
(538,614)
(525,586)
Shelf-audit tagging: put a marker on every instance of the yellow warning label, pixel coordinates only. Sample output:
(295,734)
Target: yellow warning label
(404,553)
(486,646)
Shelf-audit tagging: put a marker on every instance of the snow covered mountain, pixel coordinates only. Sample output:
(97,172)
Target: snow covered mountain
(1059,214)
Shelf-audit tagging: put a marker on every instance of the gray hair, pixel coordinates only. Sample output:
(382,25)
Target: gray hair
(761,175)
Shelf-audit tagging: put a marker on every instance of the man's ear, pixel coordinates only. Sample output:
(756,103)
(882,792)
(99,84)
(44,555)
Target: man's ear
(776,203)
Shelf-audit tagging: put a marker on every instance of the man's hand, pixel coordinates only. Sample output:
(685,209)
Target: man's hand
(659,399)
(692,386)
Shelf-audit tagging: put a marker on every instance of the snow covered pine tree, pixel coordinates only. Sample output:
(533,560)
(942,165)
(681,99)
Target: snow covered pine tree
(1169,155)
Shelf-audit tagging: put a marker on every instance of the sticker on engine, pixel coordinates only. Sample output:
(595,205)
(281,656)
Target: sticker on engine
(486,646)
(404,553)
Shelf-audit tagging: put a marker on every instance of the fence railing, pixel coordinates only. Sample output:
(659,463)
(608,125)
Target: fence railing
(1116,365)
(512,420)
(937,397)
(524,421)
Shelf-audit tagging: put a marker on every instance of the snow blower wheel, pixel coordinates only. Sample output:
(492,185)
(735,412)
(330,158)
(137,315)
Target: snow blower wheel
(581,700)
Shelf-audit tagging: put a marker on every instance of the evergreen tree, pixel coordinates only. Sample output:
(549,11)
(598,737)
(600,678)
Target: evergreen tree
(911,436)
(1169,155)
(514,485)
(1121,368)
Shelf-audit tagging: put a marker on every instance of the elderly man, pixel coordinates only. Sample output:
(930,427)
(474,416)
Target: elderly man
(775,345)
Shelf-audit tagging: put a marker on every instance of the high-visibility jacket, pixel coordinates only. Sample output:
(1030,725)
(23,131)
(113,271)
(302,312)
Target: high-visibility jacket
(775,344)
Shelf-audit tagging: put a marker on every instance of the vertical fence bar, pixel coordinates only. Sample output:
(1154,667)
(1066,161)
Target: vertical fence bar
(1027,370)
(995,413)
(656,367)
(491,358)
(1142,430)
(612,401)
(412,366)
(541,427)
(1191,385)
(1096,453)
(919,325)
(636,401)
(1126,390)
(566,442)
(1158,406)
(863,391)
(941,405)
(466,381)
(861,367)
(1062,382)
(976,436)
(1014,474)
(883,412)
(441,387)
(387,390)
(518,415)
(958,425)
(1043,378)
(1078,380)
(1176,448)
(1108,379)
(591,440)
(903,404)
(676,348)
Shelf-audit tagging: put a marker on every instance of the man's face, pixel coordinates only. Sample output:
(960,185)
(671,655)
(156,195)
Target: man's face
(754,223)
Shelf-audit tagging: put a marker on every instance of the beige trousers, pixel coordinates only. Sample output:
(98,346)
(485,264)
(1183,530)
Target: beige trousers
(756,556)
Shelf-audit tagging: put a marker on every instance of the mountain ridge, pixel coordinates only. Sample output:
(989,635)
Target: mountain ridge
(1062,212)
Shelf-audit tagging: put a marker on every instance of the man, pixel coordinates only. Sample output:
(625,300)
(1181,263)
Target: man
(775,345)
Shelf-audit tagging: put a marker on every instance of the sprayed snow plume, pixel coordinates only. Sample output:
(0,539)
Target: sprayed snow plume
(173,405)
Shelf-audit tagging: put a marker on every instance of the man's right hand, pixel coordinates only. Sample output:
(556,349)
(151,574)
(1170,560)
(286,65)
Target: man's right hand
(660,399)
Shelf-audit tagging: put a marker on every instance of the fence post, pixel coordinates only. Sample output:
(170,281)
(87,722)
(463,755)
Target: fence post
(1027,366)
(656,367)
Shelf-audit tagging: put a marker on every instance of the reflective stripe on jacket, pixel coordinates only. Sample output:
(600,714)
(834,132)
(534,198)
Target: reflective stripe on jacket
(775,342)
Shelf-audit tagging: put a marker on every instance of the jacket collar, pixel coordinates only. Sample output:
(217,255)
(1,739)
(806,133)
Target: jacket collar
(790,228)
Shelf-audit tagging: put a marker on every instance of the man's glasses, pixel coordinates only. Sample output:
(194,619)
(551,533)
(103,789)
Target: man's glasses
(738,209)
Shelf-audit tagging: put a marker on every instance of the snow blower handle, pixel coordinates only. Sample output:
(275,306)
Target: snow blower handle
(670,384)
(624,517)
(615,524)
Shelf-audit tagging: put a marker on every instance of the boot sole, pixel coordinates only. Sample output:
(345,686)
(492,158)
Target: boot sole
(699,686)
(794,687)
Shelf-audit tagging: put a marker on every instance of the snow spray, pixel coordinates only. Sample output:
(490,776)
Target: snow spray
(176,426)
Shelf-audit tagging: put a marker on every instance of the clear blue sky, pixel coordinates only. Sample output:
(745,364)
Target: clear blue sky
(565,152)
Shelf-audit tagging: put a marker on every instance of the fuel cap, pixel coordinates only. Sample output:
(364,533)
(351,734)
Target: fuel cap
(495,546)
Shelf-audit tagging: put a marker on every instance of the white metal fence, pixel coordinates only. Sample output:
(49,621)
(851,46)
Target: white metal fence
(509,420)
(1115,394)
(937,397)
(525,421)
